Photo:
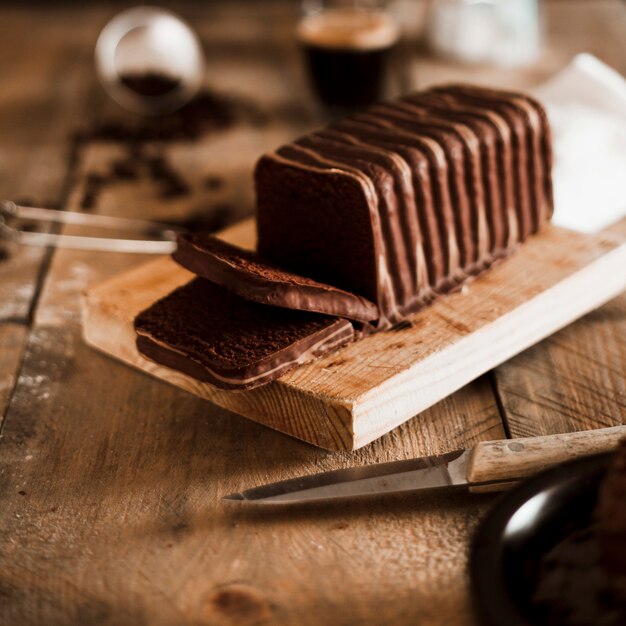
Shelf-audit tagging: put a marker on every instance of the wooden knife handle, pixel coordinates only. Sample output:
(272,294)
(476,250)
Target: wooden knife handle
(513,459)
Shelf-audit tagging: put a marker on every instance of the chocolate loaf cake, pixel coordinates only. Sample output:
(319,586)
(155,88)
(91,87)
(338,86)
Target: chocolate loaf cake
(248,275)
(368,219)
(433,188)
(215,336)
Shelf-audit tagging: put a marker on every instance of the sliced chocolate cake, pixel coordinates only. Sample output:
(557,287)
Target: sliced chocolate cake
(245,273)
(434,188)
(215,336)
(368,219)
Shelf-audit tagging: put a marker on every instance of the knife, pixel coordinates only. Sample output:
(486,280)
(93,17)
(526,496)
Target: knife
(487,466)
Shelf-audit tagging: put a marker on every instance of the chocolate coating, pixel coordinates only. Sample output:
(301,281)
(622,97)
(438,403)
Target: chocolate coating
(368,219)
(450,183)
(340,248)
(385,181)
(215,336)
(385,287)
(250,276)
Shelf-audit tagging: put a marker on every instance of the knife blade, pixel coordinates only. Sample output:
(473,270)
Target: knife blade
(487,466)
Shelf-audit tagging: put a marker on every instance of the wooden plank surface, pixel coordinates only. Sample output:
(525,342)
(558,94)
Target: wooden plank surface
(354,395)
(575,380)
(112,506)
(109,501)
(12,339)
(42,96)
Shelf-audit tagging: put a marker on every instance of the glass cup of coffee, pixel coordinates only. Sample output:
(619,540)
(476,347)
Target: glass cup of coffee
(348,48)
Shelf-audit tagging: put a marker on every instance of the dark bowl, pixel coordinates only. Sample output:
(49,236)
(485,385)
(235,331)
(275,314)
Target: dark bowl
(523,526)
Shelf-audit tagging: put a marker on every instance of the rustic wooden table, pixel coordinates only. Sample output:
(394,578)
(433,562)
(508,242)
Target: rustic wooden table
(111,482)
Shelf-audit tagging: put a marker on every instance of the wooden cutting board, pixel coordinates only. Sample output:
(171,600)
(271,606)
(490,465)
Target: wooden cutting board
(349,398)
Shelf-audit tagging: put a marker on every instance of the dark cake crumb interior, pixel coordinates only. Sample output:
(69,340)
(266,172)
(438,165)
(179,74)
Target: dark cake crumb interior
(397,205)
(221,329)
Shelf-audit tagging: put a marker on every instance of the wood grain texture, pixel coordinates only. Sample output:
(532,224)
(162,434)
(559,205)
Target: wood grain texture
(113,506)
(574,380)
(12,339)
(354,395)
(513,460)
(110,509)
(37,112)
(110,483)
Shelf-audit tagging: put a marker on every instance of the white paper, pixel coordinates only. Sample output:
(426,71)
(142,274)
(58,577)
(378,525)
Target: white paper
(586,104)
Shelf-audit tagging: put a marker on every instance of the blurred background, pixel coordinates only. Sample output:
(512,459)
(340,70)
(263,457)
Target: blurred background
(65,143)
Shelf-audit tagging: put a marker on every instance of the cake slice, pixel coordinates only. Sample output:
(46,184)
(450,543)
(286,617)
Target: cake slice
(487,157)
(215,336)
(312,238)
(248,275)
(402,208)
(497,169)
(422,226)
(384,179)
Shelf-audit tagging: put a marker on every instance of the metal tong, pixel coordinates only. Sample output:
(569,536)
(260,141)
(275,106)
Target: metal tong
(159,238)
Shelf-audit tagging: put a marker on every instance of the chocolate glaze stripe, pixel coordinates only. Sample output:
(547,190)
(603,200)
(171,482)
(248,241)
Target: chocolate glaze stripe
(391,200)
(439,177)
(498,166)
(546,154)
(305,158)
(428,247)
(343,155)
(407,213)
(539,120)
(517,126)
(533,141)
(533,165)
(541,161)
(453,151)
(146,344)
(506,167)
(412,121)
(473,172)
(495,215)
(251,277)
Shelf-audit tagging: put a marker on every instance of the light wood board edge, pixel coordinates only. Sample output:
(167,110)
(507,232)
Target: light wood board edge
(323,421)
(438,375)
(348,423)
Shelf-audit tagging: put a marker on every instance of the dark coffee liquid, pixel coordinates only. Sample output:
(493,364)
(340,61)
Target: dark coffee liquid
(348,52)
(348,78)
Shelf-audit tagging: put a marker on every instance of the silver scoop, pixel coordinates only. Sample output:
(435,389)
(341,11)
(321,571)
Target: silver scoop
(149,42)
(155,238)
